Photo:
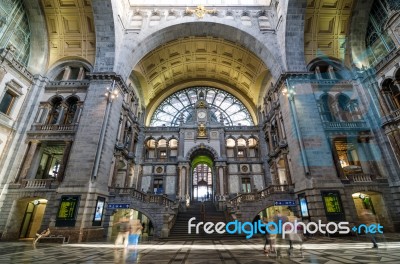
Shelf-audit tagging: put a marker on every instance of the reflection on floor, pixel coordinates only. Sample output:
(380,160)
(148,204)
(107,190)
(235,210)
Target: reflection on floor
(316,250)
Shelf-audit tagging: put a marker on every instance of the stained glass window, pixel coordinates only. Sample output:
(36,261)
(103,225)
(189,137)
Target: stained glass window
(182,103)
(14,29)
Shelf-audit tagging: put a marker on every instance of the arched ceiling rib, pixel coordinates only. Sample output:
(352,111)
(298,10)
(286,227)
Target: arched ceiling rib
(326,27)
(71,29)
(205,58)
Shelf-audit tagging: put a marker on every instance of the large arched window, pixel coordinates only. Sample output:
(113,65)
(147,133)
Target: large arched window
(14,29)
(181,104)
(378,42)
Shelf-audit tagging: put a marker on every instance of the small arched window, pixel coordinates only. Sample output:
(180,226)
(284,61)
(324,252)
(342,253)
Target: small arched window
(325,108)
(241,148)
(230,145)
(55,112)
(72,104)
(344,107)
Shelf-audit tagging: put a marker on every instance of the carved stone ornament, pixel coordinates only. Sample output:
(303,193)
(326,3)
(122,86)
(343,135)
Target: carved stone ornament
(200,11)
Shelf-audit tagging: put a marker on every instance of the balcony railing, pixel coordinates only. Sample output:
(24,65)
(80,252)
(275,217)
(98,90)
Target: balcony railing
(63,128)
(392,117)
(142,196)
(255,196)
(37,183)
(361,178)
(345,125)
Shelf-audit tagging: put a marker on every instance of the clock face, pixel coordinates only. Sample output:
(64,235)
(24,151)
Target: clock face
(201,114)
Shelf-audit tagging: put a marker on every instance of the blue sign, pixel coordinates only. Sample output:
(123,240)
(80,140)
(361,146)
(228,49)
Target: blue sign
(119,206)
(285,203)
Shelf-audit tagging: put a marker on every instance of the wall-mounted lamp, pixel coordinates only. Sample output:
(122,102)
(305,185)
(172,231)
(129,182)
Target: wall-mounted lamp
(111,93)
(288,92)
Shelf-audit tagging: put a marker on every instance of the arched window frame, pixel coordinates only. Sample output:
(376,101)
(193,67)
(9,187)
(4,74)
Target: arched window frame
(182,103)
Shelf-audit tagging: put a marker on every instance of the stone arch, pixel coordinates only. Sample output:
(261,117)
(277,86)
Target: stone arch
(358,31)
(202,147)
(292,35)
(157,226)
(249,38)
(54,97)
(105,28)
(39,50)
(57,67)
(72,96)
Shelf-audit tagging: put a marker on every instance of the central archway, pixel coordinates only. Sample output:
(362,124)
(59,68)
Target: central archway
(202,178)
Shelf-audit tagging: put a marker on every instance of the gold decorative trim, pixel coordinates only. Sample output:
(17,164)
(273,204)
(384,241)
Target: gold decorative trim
(200,11)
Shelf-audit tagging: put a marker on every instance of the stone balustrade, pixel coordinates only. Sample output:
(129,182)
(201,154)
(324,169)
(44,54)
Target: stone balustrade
(255,196)
(37,183)
(345,125)
(63,128)
(142,196)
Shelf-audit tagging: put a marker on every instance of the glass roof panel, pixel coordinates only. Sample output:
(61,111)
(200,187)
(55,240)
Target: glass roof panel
(182,103)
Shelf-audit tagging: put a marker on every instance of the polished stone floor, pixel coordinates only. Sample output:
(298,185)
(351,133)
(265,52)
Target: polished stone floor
(315,250)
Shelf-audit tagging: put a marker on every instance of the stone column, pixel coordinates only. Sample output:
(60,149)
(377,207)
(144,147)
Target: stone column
(336,160)
(223,141)
(78,112)
(226,180)
(182,181)
(61,171)
(366,148)
(115,171)
(178,182)
(122,129)
(67,72)
(28,159)
(133,140)
(60,119)
(3,73)
(271,148)
(45,114)
(128,175)
(287,169)
(39,114)
(278,125)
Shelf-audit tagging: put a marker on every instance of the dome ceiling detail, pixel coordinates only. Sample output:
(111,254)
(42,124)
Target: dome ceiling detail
(71,29)
(200,58)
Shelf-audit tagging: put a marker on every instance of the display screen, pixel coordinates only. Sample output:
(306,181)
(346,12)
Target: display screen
(333,205)
(67,210)
(303,206)
(98,214)
(68,207)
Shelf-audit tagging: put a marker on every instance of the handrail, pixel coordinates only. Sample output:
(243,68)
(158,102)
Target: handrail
(142,196)
(256,196)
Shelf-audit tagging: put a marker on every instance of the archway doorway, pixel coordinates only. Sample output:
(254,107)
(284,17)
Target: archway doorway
(370,208)
(202,178)
(131,215)
(32,217)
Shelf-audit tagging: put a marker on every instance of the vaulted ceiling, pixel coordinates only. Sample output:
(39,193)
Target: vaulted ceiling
(201,58)
(326,27)
(70,28)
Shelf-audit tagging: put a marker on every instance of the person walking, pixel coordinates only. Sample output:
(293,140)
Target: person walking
(135,232)
(123,232)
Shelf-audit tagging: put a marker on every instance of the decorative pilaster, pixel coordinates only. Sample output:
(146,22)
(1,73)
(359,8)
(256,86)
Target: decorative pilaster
(28,159)
(61,171)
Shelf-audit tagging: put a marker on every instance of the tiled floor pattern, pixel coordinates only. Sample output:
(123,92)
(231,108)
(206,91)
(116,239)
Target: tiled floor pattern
(320,250)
